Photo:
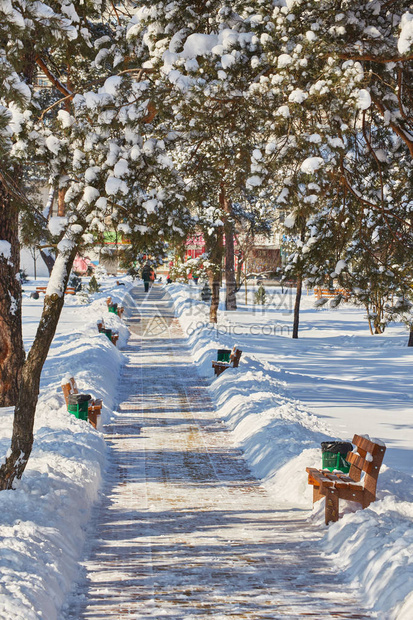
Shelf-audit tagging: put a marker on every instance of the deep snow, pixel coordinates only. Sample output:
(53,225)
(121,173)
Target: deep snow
(42,521)
(286,397)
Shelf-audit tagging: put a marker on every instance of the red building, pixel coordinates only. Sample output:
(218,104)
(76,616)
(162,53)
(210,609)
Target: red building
(195,246)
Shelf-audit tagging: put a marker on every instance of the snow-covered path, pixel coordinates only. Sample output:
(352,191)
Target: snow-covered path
(183,530)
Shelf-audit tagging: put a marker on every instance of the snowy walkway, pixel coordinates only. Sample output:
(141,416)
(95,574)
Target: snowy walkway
(184,531)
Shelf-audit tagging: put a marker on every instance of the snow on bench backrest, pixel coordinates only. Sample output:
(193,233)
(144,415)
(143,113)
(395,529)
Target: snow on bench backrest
(367,458)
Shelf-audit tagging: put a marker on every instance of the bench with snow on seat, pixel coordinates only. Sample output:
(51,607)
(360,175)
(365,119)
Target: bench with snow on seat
(234,359)
(94,405)
(110,333)
(359,485)
(69,290)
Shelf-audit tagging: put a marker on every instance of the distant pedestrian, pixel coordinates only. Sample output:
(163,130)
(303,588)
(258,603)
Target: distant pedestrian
(148,276)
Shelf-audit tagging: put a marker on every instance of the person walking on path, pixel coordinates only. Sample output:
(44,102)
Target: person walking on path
(148,276)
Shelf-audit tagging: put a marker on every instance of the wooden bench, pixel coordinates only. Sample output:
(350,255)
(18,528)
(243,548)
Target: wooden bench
(94,406)
(359,485)
(331,293)
(101,329)
(69,290)
(119,310)
(234,359)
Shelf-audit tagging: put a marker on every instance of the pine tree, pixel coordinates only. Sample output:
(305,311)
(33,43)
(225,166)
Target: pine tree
(94,139)
(204,56)
(25,30)
(336,96)
(94,286)
(260,296)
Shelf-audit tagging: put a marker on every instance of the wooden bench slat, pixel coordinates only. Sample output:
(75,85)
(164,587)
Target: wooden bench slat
(357,460)
(333,479)
(367,444)
(351,486)
(316,477)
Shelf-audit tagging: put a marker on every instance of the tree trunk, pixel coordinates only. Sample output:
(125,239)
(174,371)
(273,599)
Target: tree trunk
(245,282)
(410,343)
(61,205)
(214,249)
(48,260)
(240,264)
(11,340)
(297,306)
(231,285)
(379,325)
(230,282)
(25,409)
(214,284)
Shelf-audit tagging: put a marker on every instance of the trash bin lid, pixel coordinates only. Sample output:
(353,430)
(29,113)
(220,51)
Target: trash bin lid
(75,399)
(342,447)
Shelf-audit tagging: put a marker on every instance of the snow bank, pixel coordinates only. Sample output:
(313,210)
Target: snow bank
(44,519)
(280,437)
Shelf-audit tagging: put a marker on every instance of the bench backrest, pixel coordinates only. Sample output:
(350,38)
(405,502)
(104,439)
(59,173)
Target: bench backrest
(69,388)
(367,458)
(325,292)
(235,357)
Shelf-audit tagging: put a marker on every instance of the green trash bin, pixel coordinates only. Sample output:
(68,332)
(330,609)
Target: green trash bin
(108,333)
(223,355)
(78,405)
(333,455)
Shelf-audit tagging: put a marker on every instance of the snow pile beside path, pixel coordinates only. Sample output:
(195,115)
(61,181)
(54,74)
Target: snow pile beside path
(271,429)
(280,439)
(374,547)
(44,519)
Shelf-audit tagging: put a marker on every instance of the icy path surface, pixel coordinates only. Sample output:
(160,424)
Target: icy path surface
(184,531)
